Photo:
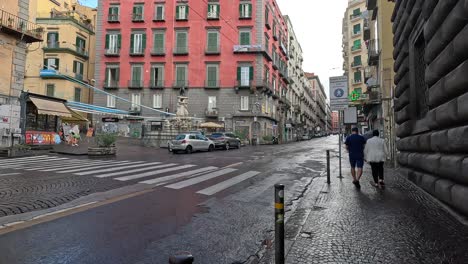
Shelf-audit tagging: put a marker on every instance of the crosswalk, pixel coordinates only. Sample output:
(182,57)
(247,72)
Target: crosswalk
(156,173)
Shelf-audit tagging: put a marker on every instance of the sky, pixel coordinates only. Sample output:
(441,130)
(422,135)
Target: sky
(317,25)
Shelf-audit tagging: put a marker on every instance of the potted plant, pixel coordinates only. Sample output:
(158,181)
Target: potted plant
(105,145)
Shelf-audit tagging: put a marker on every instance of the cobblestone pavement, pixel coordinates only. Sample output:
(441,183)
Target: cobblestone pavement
(400,224)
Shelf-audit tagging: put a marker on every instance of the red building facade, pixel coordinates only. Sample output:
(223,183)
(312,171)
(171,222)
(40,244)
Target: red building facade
(231,62)
(335,122)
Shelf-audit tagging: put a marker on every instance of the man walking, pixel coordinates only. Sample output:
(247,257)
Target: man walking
(375,153)
(355,144)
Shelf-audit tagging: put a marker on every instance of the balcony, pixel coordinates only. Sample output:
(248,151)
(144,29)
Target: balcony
(374,53)
(137,52)
(357,81)
(74,16)
(355,49)
(356,34)
(113,52)
(367,31)
(138,18)
(180,51)
(213,112)
(79,76)
(135,84)
(156,84)
(356,64)
(212,16)
(244,84)
(113,18)
(180,84)
(212,84)
(247,48)
(134,110)
(212,50)
(20,28)
(275,36)
(111,84)
(267,25)
(283,49)
(66,47)
(355,17)
(158,51)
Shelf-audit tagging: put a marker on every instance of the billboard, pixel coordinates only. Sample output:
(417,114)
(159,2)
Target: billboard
(338,93)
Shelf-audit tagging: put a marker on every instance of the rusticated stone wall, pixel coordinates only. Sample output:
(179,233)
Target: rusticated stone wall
(431,105)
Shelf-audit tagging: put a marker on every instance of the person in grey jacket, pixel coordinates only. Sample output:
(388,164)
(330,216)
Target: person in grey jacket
(375,153)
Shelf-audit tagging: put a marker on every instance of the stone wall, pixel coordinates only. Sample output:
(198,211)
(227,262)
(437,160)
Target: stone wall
(431,105)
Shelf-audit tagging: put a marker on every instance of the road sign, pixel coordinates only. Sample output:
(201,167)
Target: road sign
(339,93)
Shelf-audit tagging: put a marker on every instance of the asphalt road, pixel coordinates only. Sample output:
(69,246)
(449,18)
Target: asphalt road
(221,214)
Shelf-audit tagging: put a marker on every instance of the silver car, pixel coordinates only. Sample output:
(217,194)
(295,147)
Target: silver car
(189,143)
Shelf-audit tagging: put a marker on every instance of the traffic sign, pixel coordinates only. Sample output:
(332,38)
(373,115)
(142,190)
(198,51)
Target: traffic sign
(339,93)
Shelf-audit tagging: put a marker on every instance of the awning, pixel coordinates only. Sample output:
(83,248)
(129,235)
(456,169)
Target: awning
(49,107)
(76,117)
(94,109)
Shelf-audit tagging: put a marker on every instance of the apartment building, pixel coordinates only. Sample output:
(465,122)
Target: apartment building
(230,62)
(68,48)
(16,33)
(320,103)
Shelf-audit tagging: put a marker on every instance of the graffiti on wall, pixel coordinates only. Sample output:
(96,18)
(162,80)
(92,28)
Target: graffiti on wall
(42,138)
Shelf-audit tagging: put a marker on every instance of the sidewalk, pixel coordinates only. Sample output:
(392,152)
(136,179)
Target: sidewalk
(401,224)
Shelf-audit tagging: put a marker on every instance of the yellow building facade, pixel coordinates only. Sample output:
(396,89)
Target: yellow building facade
(68,48)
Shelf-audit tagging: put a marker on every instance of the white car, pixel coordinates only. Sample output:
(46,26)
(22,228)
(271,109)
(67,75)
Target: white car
(189,143)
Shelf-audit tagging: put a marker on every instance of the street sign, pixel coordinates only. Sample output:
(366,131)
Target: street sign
(338,93)
(350,116)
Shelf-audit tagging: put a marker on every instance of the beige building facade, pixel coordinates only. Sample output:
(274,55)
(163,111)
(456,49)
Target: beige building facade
(68,48)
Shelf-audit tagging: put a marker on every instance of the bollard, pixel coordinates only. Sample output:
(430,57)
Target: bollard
(328,167)
(181,258)
(279,224)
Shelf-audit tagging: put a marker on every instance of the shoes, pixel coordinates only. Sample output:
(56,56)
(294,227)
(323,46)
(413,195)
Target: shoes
(358,185)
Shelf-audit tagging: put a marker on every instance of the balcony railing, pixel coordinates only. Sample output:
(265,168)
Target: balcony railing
(180,84)
(213,112)
(137,18)
(68,15)
(135,84)
(66,47)
(181,51)
(356,33)
(111,84)
(374,53)
(137,51)
(356,48)
(357,81)
(79,76)
(212,50)
(212,83)
(113,18)
(112,52)
(156,84)
(355,17)
(244,83)
(20,28)
(158,51)
(356,64)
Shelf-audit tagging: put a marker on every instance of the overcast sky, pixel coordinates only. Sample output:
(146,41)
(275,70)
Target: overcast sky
(317,25)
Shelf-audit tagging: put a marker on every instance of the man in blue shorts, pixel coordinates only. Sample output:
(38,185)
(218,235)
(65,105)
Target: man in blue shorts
(355,144)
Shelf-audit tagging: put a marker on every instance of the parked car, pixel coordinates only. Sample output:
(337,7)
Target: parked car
(225,140)
(306,137)
(189,143)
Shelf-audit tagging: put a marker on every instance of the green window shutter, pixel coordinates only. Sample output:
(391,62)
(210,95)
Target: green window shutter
(182,40)
(117,74)
(57,64)
(241,7)
(132,36)
(56,36)
(158,41)
(107,41)
(357,75)
(180,74)
(45,64)
(212,41)
(111,10)
(250,10)
(119,41)
(134,9)
(218,10)
(144,41)
(81,68)
(159,12)
(356,11)
(212,76)
(74,66)
(238,73)
(251,73)
(186,11)
(177,12)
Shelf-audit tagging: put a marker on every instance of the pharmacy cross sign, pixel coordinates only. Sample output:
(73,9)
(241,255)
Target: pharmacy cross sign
(354,96)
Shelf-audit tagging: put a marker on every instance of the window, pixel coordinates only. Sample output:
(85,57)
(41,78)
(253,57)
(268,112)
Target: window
(274,31)
(137,43)
(245,10)
(181,75)
(159,38)
(137,15)
(114,13)
(112,77)
(77,97)
(267,16)
(110,101)
(274,85)
(51,64)
(137,76)
(113,43)
(244,37)
(357,76)
(357,61)
(136,102)
(418,90)
(244,75)
(78,69)
(267,76)
(357,11)
(358,90)
(181,42)
(356,29)
(182,12)
(212,74)
(213,11)
(53,40)
(80,45)
(267,43)
(50,90)
(157,100)
(211,103)
(159,13)
(212,41)
(244,103)
(157,76)
(356,45)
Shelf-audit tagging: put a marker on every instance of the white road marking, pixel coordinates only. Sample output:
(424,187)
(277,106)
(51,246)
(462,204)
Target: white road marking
(22,164)
(117,168)
(132,177)
(228,183)
(193,181)
(9,174)
(174,176)
(81,165)
(65,163)
(137,170)
(25,158)
(122,164)
(233,165)
(13,163)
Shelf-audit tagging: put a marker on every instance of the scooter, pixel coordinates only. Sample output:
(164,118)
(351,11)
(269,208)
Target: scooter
(275,140)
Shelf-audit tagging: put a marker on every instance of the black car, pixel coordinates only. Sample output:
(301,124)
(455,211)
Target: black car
(225,140)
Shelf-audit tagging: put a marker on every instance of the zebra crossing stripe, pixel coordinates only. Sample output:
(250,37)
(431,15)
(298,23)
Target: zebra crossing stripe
(22,164)
(117,168)
(9,174)
(137,170)
(25,158)
(14,162)
(100,167)
(133,177)
(196,180)
(50,165)
(174,176)
(228,183)
(81,165)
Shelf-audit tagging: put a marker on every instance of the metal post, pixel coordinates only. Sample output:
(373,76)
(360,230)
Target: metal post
(279,224)
(328,166)
(340,141)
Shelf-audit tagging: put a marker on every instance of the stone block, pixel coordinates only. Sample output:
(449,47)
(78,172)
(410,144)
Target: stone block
(462,110)
(403,115)
(451,167)
(431,163)
(424,142)
(402,100)
(428,8)
(441,10)
(443,190)
(403,85)
(439,141)
(431,119)
(403,158)
(427,182)
(404,68)
(446,114)
(405,129)
(459,198)
(458,140)
(437,94)
(457,81)
(464,170)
